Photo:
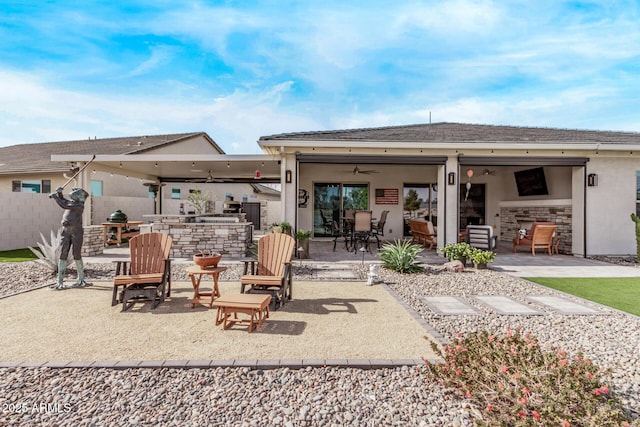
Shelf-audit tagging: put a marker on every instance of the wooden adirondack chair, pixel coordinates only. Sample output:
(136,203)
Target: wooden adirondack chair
(146,275)
(540,236)
(273,273)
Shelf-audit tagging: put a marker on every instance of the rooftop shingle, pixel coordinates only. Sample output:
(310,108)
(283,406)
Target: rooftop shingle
(37,157)
(460,132)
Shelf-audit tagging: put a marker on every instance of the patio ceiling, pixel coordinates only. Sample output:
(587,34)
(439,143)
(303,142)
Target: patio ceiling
(184,167)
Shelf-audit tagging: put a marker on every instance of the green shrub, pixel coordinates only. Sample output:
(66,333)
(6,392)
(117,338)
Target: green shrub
(515,382)
(282,227)
(302,235)
(453,251)
(401,256)
(479,256)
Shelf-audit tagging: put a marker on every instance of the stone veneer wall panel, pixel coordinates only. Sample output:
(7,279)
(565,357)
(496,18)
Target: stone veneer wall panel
(231,239)
(513,216)
(93,240)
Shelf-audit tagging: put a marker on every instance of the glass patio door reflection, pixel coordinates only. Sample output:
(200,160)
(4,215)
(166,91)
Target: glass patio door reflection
(326,208)
(331,199)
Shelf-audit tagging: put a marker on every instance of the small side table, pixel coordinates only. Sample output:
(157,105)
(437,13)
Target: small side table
(555,242)
(254,305)
(195,272)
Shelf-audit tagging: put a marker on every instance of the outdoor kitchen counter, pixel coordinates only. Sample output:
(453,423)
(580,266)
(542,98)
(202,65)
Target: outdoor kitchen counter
(229,236)
(166,218)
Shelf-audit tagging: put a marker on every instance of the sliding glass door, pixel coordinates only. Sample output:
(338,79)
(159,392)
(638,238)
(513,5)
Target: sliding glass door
(420,201)
(331,199)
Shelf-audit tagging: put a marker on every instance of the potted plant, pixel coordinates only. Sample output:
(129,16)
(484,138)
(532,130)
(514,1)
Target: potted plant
(275,228)
(282,227)
(286,227)
(481,258)
(206,259)
(201,202)
(457,251)
(302,245)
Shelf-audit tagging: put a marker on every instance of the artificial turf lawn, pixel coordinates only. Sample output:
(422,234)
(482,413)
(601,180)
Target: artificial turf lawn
(17,255)
(622,293)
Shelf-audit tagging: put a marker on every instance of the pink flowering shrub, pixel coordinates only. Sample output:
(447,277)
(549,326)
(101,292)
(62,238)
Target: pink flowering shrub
(515,382)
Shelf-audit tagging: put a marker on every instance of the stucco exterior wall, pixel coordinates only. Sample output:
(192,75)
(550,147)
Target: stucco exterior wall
(23,216)
(119,185)
(134,207)
(610,205)
(193,146)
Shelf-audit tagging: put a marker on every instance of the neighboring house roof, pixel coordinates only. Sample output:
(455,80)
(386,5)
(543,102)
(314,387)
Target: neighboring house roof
(263,189)
(36,158)
(460,132)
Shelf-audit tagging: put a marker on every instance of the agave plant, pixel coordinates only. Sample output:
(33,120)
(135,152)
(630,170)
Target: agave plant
(401,256)
(49,252)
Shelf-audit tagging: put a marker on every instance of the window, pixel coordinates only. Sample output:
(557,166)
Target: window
(96,188)
(175,193)
(420,201)
(31,186)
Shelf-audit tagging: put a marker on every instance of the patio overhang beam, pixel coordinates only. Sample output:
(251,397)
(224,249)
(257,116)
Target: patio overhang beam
(371,159)
(521,161)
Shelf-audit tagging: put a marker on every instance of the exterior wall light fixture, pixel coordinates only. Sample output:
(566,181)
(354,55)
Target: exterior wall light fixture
(452,178)
(592,180)
(287,176)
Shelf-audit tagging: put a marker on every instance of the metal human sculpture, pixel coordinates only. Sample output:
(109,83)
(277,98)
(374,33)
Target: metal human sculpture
(72,233)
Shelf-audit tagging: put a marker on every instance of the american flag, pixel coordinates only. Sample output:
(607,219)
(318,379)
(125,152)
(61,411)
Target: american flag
(386,196)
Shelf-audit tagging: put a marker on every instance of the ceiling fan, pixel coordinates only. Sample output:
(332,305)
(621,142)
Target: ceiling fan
(357,171)
(209,179)
(487,171)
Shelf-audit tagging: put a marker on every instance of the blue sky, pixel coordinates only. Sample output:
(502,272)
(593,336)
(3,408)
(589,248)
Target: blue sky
(239,70)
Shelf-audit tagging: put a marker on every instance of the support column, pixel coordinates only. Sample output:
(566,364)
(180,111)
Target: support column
(288,193)
(578,203)
(451,203)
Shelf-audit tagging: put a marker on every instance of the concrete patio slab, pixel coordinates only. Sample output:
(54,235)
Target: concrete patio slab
(449,305)
(563,305)
(506,305)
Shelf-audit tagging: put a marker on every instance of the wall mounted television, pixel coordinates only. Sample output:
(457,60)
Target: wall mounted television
(531,182)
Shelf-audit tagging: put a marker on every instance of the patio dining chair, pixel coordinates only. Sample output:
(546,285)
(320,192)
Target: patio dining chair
(272,274)
(377,229)
(147,274)
(362,230)
(340,233)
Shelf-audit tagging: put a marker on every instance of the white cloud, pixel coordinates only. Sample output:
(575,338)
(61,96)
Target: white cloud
(33,111)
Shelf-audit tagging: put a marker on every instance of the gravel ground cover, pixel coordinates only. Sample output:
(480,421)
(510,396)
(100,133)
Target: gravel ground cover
(310,396)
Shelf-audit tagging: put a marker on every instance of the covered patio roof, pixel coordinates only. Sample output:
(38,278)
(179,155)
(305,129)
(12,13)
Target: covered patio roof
(184,167)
